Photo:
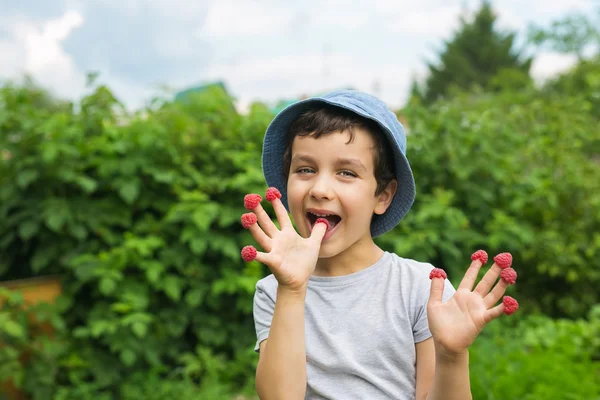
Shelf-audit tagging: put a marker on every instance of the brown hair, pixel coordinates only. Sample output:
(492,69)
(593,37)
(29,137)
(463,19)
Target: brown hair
(329,119)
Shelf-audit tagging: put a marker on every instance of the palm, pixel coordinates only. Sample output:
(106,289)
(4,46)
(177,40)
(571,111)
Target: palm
(456,323)
(293,258)
(290,257)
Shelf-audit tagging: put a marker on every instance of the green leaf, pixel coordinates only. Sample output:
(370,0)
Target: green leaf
(107,286)
(202,220)
(78,231)
(154,270)
(56,220)
(172,287)
(28,229)
(13,329)
(129,191)
(194,297)
(87,184)
(24,178)
(139,329)
(199,245)
(128,357)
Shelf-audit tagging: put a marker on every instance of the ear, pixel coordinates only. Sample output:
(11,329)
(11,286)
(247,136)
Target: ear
(384,199)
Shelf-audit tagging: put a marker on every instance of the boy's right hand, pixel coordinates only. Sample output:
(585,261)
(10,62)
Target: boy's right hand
(290,257)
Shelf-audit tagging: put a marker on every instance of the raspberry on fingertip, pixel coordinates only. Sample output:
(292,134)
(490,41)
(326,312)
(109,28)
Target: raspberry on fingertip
(437,273)
(480,255)
(249,253)
(272,194)
(251,201)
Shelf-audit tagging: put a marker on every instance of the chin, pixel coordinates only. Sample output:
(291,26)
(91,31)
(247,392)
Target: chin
(329,251)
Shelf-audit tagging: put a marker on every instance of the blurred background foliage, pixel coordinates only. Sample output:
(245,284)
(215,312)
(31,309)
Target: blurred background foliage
(137,214)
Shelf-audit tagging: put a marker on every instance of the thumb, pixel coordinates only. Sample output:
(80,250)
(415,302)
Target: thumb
(319,230)
(437,277)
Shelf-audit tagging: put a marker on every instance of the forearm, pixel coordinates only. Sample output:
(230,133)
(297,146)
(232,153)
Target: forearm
(281,372)
(451,380)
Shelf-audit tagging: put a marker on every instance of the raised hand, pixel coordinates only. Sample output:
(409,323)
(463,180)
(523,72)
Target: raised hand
(456,323)
(290,257)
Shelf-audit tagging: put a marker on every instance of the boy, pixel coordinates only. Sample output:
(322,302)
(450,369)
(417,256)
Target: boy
(339,318)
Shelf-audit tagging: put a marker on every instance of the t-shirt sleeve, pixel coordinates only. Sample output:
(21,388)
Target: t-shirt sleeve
(421,325)
(263,309)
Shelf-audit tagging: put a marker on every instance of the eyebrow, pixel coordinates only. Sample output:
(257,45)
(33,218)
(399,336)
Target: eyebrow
(340,161)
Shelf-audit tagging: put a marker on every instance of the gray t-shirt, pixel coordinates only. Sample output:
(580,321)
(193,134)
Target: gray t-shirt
(360,329)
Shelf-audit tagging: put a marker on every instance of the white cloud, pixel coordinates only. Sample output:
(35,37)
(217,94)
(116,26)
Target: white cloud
(230,18)
(549,64)
(35,49)
(293,76)
(439,21)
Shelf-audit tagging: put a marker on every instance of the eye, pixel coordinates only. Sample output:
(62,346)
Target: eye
(304,170)
(348,174)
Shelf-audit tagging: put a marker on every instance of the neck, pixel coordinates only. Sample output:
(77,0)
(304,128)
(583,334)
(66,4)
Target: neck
(357,257)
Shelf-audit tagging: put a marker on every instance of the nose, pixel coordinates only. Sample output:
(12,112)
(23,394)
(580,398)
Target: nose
(321,189)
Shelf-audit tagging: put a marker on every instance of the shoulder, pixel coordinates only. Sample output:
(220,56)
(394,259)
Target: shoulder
(267,286)
(418,270)
(414,275)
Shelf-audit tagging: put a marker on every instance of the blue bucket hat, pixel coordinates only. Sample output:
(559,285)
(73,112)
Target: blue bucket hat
(366,106)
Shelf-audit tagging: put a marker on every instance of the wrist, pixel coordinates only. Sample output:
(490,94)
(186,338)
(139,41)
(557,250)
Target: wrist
(298,293)
(451,358)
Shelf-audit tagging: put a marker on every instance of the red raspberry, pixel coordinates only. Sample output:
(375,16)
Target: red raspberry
(324,220)
(510,305)
(251,201)
(437,273)
(480,255)
(503,260)
(509,275)
(272,194)
(248,219)
(248,253)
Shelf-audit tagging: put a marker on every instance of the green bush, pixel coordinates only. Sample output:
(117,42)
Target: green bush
(140,217)
(510,172)
(537,358)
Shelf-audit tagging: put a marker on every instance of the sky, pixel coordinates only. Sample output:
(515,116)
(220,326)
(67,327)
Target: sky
(262,50)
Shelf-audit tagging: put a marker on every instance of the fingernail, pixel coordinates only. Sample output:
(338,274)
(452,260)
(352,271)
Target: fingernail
(480,255)
(248,253)
(272,194)
(503,260)
(509,275)
(251,201)
(248,220)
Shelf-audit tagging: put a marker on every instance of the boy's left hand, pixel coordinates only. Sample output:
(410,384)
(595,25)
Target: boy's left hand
(456,323)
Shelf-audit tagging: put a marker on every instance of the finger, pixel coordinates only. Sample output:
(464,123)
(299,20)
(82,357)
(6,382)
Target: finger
(478,258)
(319,229)
(492,297)
(252,203)
(249,253)
(249,221)
(493,313)
(508,276)
(488,280)
(508,307)
(436,290)
(273,195)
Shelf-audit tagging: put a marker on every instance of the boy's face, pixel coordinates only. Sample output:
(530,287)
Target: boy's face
(330,176)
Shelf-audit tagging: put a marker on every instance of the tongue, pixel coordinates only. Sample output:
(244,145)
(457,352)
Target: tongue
(332,221)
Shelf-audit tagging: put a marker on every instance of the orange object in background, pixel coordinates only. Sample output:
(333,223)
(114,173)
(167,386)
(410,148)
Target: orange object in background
(35,291)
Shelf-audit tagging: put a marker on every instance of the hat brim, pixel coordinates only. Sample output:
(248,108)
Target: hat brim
(274,150)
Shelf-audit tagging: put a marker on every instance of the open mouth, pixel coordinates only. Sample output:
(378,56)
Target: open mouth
(333,219)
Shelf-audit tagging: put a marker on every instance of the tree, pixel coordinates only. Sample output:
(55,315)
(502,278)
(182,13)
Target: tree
(475,56)
(573,34)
